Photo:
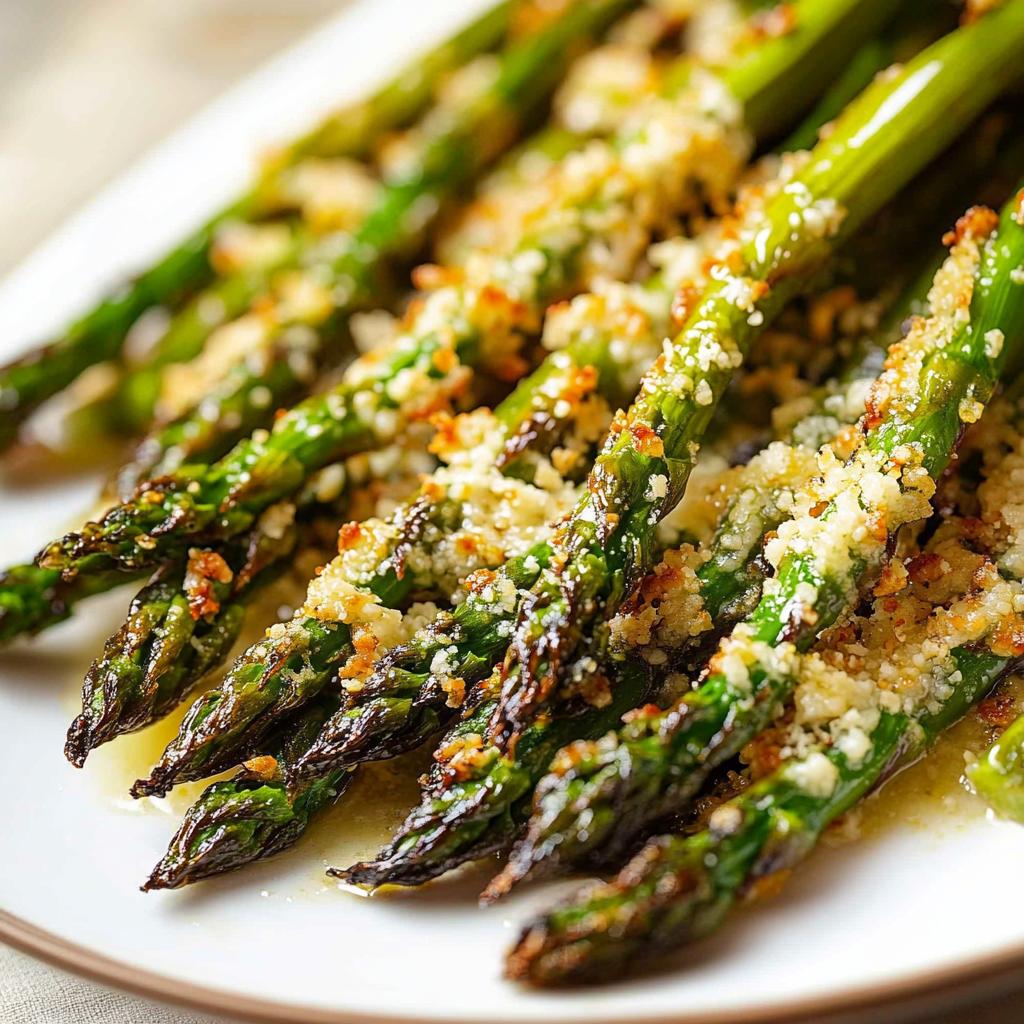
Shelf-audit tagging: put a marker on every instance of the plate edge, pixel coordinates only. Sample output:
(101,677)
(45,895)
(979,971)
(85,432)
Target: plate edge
(897,995)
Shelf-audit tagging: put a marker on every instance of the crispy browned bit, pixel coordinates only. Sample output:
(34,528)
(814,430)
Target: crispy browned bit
(205,568)
(979,221)
(999,708)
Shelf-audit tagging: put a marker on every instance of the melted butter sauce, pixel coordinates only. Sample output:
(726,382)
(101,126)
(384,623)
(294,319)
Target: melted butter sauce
(365,817)
(934,793)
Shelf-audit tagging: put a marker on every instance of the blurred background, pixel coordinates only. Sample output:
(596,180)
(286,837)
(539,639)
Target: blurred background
(86,86)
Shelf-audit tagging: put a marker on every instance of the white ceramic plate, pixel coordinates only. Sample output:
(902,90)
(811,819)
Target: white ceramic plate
(914,908)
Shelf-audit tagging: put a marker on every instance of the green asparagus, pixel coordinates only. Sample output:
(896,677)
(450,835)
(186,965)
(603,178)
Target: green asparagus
(678,889)
(873,149)
(251,815)
(425,848)
(471,632)
(478,321)
(386,561)
(640,475)
(34,599)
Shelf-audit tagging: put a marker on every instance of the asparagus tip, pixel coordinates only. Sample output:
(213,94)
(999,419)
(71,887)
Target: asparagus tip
(79,741)
(501,884)
(358,874)
(527,961)
(164,876)
(155,785)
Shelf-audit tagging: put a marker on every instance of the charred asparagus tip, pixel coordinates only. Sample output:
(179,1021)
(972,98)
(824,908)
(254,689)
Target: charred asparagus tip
(79,742)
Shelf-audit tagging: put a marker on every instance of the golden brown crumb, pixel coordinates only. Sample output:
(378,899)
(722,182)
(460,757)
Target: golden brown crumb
(204,569)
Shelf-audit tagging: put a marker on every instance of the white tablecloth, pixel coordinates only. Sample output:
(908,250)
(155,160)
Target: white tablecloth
(35,993)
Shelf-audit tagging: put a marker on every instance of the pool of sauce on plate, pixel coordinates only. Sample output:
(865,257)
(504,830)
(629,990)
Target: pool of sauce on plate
(934,793)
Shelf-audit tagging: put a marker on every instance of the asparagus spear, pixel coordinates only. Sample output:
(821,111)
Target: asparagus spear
(640,475)
(478,320)
(605,794)
(33,599)
(874,56)
(678,889)
(864,159)
(26,382)
(896,702)
(251,815)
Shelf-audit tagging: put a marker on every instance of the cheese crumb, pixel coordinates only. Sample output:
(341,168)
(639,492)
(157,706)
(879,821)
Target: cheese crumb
(816,775)
(994,343)
(657,487)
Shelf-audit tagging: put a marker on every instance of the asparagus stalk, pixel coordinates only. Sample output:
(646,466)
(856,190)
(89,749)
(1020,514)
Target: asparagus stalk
(915,26)
(605,794)
(28,381)
(251,815)
(478,321)
(874,56)
(33,599)
(859,166)
(386,562)
(677,889)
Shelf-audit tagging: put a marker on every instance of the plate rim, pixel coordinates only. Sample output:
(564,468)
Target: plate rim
(985,971)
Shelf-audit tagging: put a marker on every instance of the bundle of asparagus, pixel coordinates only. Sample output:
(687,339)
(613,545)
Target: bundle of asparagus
(607,545)
(562,566)
(228,721)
